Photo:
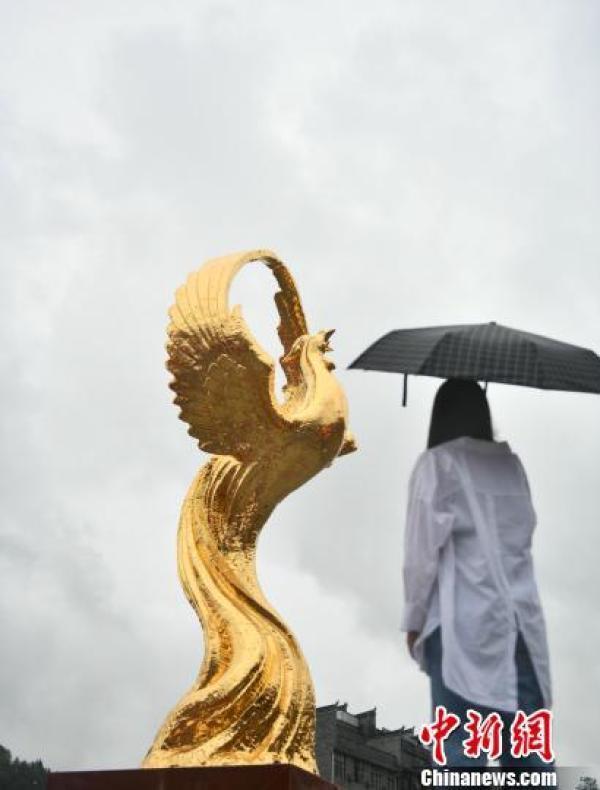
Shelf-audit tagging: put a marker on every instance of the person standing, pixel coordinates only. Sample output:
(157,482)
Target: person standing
(472,613)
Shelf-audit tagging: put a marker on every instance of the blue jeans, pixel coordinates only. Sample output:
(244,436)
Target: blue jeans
(529,700)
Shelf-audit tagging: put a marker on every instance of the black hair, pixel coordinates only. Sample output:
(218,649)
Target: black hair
(460,408)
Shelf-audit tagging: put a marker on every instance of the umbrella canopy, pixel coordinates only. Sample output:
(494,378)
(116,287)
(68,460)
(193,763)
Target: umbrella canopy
(484,352)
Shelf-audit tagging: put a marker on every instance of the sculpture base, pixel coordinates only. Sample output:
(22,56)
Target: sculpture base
(246,777)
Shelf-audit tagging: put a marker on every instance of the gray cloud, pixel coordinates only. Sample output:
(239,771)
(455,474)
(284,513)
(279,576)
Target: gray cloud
(415,164)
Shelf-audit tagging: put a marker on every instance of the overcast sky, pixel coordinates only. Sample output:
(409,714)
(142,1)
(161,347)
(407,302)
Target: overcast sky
(414,162)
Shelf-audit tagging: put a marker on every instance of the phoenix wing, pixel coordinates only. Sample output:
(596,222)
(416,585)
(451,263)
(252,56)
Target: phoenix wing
(223,380)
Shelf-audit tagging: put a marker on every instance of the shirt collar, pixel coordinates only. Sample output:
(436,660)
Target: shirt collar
(481,445)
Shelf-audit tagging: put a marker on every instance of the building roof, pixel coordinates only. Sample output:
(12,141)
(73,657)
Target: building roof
(357,735)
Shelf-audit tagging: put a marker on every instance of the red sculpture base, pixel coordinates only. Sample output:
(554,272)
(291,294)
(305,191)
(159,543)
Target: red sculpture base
(247,777)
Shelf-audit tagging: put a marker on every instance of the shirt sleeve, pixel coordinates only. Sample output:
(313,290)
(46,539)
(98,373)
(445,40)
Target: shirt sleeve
(428,527)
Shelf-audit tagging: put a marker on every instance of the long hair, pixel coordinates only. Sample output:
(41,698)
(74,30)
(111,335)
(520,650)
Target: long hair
(460,408)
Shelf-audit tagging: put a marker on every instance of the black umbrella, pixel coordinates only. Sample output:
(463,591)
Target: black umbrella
(484,352)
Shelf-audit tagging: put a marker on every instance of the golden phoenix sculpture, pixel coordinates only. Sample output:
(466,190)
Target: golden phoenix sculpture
(253,700)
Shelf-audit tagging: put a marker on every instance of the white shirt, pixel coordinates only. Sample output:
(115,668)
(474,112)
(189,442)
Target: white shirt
(468,568)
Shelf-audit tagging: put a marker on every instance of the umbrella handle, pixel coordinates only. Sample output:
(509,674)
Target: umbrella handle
(405,389)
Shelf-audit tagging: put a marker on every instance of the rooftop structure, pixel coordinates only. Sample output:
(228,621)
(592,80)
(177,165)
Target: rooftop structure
(355,754)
